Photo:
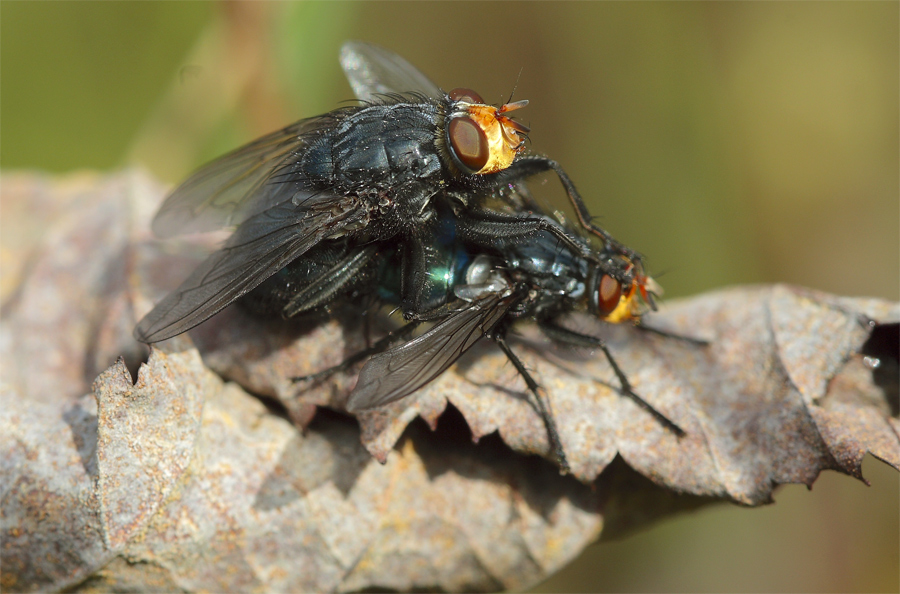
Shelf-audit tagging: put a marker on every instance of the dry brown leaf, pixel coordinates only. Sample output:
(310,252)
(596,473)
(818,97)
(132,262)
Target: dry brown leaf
(184,481)
(241,500)
(754,401)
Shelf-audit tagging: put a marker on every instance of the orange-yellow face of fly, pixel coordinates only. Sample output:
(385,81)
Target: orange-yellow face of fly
(505,137)
(616,305)
(481,137)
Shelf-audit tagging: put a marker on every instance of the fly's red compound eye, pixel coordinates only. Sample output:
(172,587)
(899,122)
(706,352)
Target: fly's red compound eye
(609,293)
(467,95)
(469,143)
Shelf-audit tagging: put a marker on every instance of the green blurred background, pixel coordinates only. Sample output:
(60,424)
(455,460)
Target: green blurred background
(729,142)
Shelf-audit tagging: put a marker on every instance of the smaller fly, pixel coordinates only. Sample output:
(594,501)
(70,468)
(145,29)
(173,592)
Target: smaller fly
(481,293)
(363,174)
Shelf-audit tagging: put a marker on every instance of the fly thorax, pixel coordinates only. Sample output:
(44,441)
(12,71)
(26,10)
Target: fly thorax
(385,144)
(424,164)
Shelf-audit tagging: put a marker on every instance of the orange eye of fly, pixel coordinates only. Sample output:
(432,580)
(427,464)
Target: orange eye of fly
(608,294)
(469,143)
(467,95)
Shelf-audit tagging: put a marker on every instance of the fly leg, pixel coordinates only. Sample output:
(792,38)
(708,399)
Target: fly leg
(540,396)
(570,337)
(532,165)
(379,346)
(700,342)
(495,230)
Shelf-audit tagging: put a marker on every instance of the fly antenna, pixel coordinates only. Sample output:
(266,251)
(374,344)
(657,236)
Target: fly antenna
(518,76)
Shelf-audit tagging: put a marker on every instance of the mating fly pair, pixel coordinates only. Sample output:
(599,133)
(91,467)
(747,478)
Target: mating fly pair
(391,198)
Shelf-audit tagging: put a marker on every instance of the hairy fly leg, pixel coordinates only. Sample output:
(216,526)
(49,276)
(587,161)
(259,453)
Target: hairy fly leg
(385,343)
(533,165)
(497,230)
(379,346)
(700,342)
(572,338)
(543,403)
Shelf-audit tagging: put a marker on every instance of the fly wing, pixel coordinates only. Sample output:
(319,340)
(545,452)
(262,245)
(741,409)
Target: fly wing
(261,246)
(240,184)
(402,370)
(374,71)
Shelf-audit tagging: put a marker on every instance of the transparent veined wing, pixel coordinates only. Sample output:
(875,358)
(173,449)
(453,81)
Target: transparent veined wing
(400,371)
(261,246)
(374,71)
(238,185)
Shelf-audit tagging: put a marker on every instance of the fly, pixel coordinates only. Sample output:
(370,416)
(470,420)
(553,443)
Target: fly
(363,174)
(481,293)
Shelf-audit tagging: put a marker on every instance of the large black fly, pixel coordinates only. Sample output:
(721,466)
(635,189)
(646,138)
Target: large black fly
(366,173)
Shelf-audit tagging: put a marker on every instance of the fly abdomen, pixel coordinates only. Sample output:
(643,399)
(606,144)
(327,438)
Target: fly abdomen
(328,271)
